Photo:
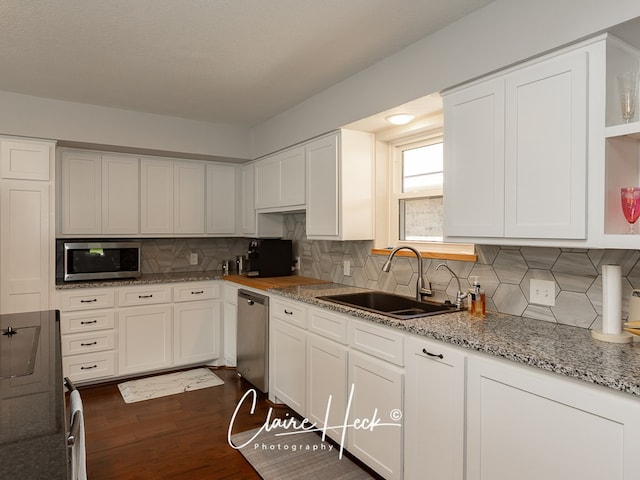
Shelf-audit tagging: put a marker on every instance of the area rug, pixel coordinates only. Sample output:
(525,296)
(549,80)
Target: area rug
(292,457)
(169,384)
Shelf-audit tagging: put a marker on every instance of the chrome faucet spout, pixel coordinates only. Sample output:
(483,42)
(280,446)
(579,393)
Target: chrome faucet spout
(460,295)
(421,291)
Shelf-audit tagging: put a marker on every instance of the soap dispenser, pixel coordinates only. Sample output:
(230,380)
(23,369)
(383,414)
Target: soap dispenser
(478,303)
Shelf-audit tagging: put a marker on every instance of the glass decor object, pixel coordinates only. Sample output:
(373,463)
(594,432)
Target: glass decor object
(628,90)
(630,198)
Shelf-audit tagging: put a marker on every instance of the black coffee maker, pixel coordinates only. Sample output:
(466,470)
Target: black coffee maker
(270,257)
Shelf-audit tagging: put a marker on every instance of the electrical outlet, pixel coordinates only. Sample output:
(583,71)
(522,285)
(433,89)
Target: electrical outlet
(543,292)
(193,259)
(346,266)
(298,264)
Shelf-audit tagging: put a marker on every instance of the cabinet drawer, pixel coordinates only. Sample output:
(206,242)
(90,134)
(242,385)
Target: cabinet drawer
(143,295)
(196,291)
(289,312)
(89,366)
(86,321)
(329,325)
(78,343)
(375,340)
(87,299)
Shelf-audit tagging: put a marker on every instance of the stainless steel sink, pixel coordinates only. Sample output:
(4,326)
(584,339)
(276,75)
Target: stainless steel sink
(395,306)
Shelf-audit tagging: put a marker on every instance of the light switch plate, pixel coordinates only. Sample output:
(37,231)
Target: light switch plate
(542,292)
(193,259)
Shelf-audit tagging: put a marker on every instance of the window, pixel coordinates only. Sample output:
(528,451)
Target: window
(416,190)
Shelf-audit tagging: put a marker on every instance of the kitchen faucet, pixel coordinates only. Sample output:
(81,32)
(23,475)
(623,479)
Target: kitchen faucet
(460,295)
(421,291)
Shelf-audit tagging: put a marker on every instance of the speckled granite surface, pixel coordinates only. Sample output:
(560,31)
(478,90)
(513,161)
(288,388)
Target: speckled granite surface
(569,351)
(149,279)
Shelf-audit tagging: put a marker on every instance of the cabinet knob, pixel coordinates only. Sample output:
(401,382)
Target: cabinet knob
(437,355)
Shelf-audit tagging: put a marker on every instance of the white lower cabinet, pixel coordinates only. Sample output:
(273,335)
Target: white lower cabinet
(144,339)
(196,332)
(527,424)
(433,411)
(108,332)
(287,372)
(230,323)
(327,363)
(377,396)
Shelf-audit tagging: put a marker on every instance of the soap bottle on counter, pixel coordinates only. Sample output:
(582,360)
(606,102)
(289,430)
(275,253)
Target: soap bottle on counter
(478,299)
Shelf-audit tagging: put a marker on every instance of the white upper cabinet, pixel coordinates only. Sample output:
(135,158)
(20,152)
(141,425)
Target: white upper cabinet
(221,199)
(474,161)
(280,181)
(517,152)
(81,184)
(120,199)
(25,159)
(188,197)
(340,198)
(156,193)
(546,149)
(99,193)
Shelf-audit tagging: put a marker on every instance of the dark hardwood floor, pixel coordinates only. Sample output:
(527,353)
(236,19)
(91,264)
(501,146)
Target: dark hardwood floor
(176,437)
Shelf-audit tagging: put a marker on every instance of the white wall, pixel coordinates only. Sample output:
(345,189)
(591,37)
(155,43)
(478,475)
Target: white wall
(503,33)
(76,122)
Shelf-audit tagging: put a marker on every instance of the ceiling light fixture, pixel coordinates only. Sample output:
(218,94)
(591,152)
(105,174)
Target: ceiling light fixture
(400,118)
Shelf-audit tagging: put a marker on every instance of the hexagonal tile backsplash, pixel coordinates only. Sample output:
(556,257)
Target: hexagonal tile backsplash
(504,273)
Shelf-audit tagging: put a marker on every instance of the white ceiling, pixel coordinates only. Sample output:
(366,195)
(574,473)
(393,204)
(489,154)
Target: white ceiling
(223,61)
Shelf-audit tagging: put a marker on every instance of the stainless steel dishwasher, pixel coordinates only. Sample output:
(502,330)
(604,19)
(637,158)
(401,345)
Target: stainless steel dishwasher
(252,352)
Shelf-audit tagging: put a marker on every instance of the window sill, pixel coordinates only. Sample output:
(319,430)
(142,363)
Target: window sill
(463,257)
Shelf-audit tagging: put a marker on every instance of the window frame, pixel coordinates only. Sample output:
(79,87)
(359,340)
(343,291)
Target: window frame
(434,249)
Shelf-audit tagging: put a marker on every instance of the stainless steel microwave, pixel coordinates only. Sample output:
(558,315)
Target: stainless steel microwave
(101,260)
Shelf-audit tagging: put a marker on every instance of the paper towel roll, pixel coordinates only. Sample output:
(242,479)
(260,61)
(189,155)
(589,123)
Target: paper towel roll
(611,299)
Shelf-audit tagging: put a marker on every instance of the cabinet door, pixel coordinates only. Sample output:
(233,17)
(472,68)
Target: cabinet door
(247,182)
(292,177)
(327,385)
(267,183)
(322,185)
(120,194)
(144,339)
(156,196)
(188,215)
(377,394)
(25,160)
(221,199)
(196,332)
(433,412)
(528,425)
(81,185)
(230,329)
(25,237)
(474,161)
(287,351)
(546,149)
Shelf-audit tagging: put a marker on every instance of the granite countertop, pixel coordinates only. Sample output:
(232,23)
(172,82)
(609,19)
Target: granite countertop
(147,279)
(33,439)
(562,349)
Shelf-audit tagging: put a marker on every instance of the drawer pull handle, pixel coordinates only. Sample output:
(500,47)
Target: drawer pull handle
(88,344)
(198,292)
(89,322)
(89,301)
(89,367)
(145,296)
(438,355)
(288,312)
